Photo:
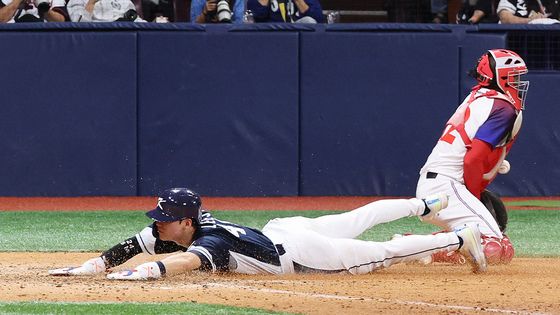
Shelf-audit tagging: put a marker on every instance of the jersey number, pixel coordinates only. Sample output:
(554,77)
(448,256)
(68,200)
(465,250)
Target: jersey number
(233,230)
(456,122)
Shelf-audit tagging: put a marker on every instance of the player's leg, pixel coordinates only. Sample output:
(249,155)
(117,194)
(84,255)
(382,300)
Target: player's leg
(353,223)
(463,207)
(313,251)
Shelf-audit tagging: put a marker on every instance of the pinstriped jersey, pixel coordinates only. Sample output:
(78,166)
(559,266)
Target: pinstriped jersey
(224,246)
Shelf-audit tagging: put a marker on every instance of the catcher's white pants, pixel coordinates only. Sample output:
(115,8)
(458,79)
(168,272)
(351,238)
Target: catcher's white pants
(463,206)
(327,243)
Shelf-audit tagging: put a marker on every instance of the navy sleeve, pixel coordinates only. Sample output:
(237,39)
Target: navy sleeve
(315,11)
(499,123)
(260,12)
(213,252)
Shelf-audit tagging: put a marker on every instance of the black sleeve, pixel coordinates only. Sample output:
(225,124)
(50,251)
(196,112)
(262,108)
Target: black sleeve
(150,244)
(121,252)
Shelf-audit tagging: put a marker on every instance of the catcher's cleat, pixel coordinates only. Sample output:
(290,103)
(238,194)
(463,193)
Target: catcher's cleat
(434,204)
(472,247)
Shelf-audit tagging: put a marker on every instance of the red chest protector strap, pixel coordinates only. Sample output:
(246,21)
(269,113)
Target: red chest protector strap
(459,124)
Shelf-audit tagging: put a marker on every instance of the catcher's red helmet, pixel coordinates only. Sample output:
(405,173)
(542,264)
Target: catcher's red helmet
(502,69)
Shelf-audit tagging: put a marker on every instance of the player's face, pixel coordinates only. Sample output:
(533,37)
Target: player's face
(179,232)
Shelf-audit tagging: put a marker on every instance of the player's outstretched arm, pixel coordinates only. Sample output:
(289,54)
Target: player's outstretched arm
(115,256)
(172,265)
(143,242)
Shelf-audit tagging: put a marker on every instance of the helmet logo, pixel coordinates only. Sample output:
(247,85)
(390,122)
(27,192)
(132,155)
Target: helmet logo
(160,201)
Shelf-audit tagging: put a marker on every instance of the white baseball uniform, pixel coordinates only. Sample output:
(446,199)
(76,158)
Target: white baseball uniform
(490,118)
(328,243)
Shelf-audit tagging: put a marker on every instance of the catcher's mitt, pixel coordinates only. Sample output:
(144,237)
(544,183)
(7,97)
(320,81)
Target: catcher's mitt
(496,207)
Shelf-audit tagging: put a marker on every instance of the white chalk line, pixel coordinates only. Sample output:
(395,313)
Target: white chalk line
(353,298)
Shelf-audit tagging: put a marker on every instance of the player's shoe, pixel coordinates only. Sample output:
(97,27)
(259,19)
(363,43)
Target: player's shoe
(472,247)
(434,204)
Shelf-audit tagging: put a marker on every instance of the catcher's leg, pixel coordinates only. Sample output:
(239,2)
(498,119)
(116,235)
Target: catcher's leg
(463,206)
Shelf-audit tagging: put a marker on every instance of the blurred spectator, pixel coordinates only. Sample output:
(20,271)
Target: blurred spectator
(216,11)
(33,11)
(527,11)
(102,11)
(477,11)
(409,11)
(439,11)
(158,10)
(290,11)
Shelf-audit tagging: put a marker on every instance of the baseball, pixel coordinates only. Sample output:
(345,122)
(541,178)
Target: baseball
(504,167)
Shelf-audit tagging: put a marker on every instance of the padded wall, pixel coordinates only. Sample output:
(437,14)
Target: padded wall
(67,127)
(373,105)
(535,155)
(218,112)
(247,110)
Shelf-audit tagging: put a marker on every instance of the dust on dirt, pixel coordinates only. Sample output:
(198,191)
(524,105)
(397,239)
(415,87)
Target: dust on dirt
(527,285)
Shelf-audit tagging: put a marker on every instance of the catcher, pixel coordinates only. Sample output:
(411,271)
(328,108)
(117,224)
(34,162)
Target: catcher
(472,151)
(287,245)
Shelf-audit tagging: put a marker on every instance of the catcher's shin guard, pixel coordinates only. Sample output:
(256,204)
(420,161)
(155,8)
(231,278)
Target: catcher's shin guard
(497,251)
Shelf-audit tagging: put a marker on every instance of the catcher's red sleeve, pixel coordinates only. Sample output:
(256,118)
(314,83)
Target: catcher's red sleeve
(475,164)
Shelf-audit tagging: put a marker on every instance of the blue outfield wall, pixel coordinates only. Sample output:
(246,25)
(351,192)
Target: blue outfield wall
(249,110)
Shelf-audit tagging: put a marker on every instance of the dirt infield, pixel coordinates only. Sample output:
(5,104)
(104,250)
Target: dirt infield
(525,286)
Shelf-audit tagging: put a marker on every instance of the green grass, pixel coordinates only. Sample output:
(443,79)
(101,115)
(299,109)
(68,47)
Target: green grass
(555,204)
(124,308)
(534,233)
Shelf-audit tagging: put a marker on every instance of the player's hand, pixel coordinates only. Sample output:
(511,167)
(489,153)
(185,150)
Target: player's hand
(90,267)
(145,271)
(504,167)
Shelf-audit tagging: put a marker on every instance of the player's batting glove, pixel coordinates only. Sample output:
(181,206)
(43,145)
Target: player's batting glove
(504,167)
(90,267)
(145,271)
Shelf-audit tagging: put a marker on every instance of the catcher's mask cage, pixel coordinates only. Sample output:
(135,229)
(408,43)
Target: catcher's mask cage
(502,69)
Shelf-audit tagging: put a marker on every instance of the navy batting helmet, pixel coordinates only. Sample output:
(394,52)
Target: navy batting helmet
(177,204)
